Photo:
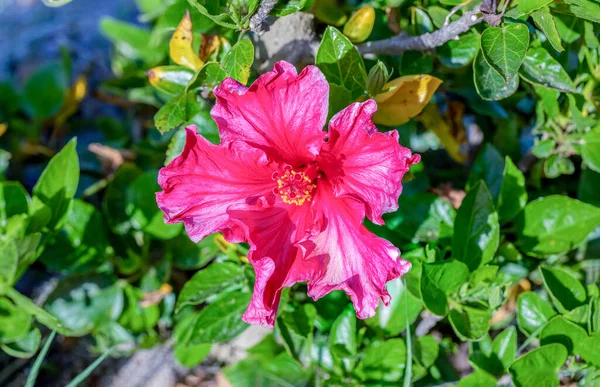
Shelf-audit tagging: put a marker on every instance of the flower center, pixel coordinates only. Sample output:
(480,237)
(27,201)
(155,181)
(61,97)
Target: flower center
(293,187)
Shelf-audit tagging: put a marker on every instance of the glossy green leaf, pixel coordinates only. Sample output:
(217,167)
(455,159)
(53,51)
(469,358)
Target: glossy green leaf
(208,77)
(545,22)
(459,53)
(513,195)
(135,317)
(555,225)
(57,185)
(504,347)
(403,307)
(45,91)
(82,303)
(589,349)
(208,282)
(528,6)
(477,379)
(221,320)
(584,9)
(504,47)
(212,9)
(540,68)
(590,150)
(476,229)
(343,334)
(24,347)
(14,321)
(341,63)
(440,279)
(174,113)
(384,361)
(171,80)
(470,323)
(565,289)
(238,60)
(533,312)
(560,330)
(9,261)
(489,83)
(14,200)
(539,367)
(82,244)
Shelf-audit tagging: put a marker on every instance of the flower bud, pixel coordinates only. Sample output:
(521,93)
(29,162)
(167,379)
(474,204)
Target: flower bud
(360,25)
(377,78)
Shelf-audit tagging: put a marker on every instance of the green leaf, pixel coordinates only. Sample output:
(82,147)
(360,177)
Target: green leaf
(238,60)
(540,68)
(584,9)
(208,77)
(141,206)
(545,22)
(384,361)
(566,291)
(221,320)
(45,91)
(9,261)
(341,63)
(343,334)
(590,150)
(82,303)
(207,282)
(440,279)
(470,323)
(539,367)
(513,195)
(427,350)
(25,304)
(528,6)
(14,322)
(114,198)
(587,190)
(555,225)
(287,7)
(57,185)
(476,229)
(25,347)
(211,9)
(477,379)
(560,330)
(14,200)
(403,307)
(505,47)
(174,113)
(489,166)
(557,165)
(532,312)
(489,83)
(296,328)
(459,53)
(82,244)
(589,349)
(171,80)
(135,317)
(188,355)
(187,255)
(131,41)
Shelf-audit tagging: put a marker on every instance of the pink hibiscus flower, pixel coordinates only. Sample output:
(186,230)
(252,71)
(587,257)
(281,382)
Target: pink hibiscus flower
(296,194)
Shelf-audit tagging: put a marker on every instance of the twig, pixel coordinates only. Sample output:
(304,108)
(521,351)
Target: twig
(454,10)
(258,23)
(399,44)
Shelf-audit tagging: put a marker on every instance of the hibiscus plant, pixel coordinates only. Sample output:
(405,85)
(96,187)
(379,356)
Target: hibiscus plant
(375,192)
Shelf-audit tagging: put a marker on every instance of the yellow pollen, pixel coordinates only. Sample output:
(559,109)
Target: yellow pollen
(293,187)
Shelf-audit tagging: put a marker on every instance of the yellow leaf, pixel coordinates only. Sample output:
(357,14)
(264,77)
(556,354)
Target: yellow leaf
(405,98)
(74,97)
(360,25)
(3,128)
(181,45)
(450,131)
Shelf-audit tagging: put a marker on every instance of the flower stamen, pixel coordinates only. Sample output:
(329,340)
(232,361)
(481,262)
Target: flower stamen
(293,187)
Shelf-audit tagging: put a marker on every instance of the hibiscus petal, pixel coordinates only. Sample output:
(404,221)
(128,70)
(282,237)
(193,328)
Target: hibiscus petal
(201,184)
(364,163)
(282,113)
(348,256)
(272,234)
